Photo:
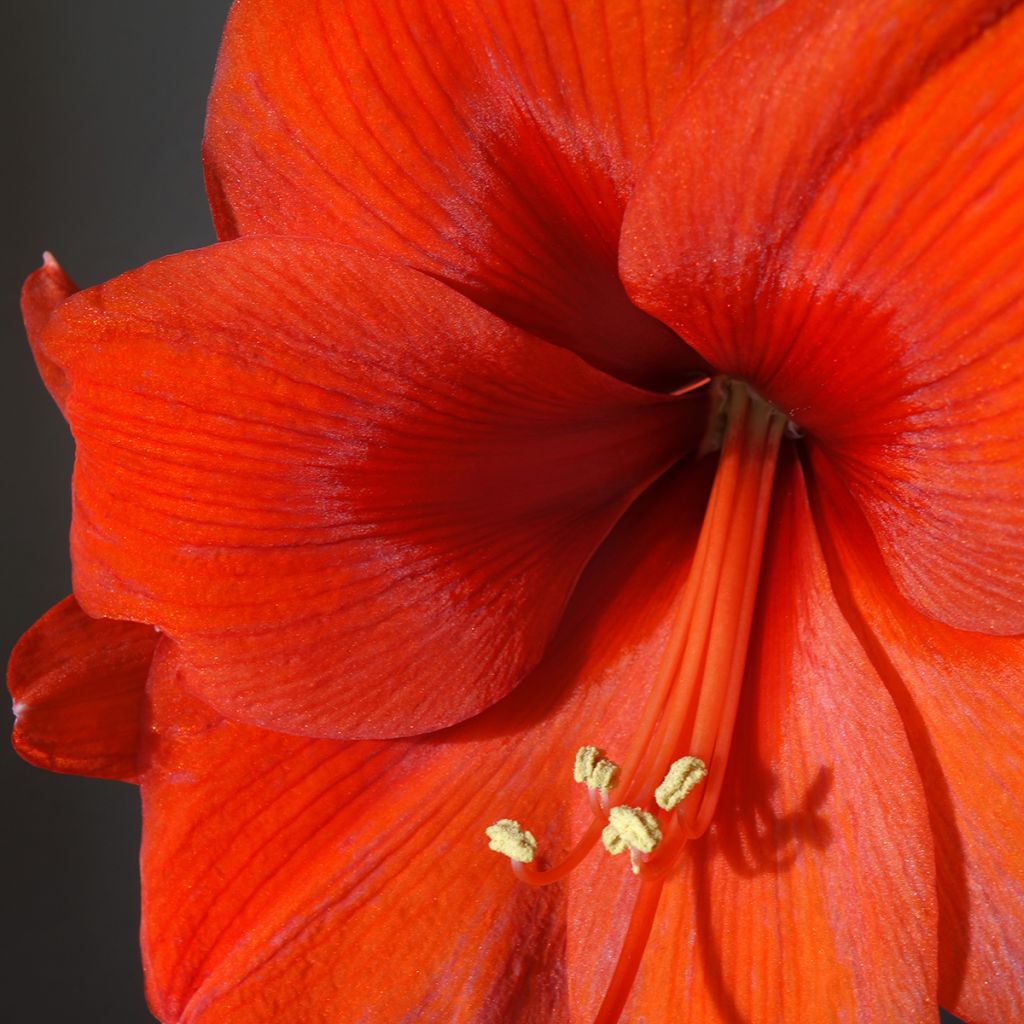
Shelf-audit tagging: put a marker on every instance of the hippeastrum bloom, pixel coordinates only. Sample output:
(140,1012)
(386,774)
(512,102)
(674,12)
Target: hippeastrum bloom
(629,392)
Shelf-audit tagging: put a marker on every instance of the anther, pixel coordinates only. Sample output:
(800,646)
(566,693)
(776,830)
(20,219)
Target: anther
(682,776)
(510,838)
(613,841)
(631,827)
(593,768)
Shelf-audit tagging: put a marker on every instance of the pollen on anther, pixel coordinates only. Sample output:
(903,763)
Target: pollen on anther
(511,839)
(632,828)
(613,841)
(682,776)
(593,768)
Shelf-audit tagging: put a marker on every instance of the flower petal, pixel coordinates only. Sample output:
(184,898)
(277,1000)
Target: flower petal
(960,695)
(356,500)
(78,686)
(753,143)
(874,293)
(813,895)
(492,145)
(352,881)
(44,291)
(915,263)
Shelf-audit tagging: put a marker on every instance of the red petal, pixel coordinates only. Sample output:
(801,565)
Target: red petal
(356,500)
(492,145)
(916,263)
(351,881)
(882,307)
(812,897)
(961,696)
(78,686)
(751,146)
(44,291)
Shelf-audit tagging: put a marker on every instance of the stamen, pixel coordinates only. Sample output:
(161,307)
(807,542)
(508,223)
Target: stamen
(683,731)
(510,838)
(593,768)
(704,676)
(639,931)
(682,776)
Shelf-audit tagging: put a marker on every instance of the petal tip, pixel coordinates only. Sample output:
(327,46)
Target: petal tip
(44,291)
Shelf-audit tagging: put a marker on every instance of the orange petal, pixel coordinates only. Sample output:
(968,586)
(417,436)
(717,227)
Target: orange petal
(813,895)
(960,695)
(78,686)
(352,881)
(493,145)
(356,500)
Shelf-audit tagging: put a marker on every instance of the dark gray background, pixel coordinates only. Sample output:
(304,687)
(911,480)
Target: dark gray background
(104,110)
(103,103)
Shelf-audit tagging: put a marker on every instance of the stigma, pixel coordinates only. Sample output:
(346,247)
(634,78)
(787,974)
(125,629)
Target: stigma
(667,785)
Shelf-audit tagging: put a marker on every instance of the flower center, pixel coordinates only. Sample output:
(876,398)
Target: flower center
(670,779)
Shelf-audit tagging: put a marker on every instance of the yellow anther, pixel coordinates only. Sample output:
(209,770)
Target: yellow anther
(510,838)
(613,842)
(636,828)
(633,829)
(593,768)
(682,776)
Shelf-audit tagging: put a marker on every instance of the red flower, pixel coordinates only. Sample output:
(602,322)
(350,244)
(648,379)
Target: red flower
(414,456)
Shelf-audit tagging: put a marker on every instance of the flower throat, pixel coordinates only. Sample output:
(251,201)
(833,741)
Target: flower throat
(665,790)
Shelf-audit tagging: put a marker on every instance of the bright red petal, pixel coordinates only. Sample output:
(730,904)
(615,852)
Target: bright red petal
(961,696)
(752,145)
(78,686)
(875,293)
(491,144)
(352,881)
(356,500)
(44,291)
(913,257)
(813,895)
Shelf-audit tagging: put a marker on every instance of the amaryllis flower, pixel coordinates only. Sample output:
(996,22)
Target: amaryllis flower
(632,378)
